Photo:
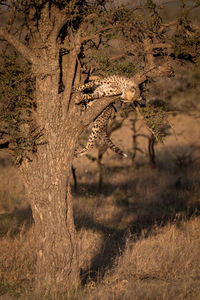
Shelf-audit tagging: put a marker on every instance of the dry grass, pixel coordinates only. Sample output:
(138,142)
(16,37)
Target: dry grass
(138,239)
(11,192)
(17,261)
(163,266)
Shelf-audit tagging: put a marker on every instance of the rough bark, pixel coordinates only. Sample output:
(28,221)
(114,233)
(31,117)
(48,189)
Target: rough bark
(46,179)
(47,175)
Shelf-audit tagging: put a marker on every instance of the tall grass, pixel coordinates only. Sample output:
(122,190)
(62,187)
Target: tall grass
(138,239)
(165,265)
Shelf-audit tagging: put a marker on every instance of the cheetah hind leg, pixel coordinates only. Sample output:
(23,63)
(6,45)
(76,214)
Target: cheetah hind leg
(99,131)
(100,126)
(112,146)
(92,141)
(106,140)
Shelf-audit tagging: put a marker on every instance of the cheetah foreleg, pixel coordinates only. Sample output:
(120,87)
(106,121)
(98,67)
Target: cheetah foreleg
(88,97)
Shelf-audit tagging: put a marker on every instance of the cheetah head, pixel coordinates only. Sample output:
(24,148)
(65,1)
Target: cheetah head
(128,96)
(131,93)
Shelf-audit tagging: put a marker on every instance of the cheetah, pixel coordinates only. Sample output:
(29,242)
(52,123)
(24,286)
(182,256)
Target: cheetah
(99,132)
(107,87)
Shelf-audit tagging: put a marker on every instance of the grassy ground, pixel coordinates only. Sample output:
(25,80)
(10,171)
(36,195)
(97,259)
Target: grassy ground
(138,239)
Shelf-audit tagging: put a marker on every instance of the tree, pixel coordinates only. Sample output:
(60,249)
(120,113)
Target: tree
(59,35)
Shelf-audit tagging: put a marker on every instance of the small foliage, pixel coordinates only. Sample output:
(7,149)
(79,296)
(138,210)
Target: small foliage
(156,118)
(186,38)
(112,67)
(150,4)
(17,107)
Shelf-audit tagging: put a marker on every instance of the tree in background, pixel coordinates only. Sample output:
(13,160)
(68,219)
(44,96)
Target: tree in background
(65,43)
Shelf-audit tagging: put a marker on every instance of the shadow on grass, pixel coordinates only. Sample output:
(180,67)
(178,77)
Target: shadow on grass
(177,199)
(151,215)
(13,223)
(6,161)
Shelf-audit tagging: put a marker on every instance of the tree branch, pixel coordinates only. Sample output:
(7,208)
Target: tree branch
(151,69)
(59,19)
(96,108)
(163,70)
(71,69)
(20,47)
(164,26)
(160,45)
(94,35)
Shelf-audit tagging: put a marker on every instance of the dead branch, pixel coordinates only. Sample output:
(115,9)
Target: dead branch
(118,56)
(148,53)
(20,47)
(164,26)
(151,69)
(159,46)
(195,26)
(96,34)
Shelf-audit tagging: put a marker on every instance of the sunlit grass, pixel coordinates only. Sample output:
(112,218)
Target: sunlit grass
(138,239)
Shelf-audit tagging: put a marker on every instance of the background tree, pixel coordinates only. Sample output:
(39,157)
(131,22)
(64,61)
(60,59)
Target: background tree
(64,42)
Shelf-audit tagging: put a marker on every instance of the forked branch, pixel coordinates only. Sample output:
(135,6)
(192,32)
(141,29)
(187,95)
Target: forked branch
(151,69)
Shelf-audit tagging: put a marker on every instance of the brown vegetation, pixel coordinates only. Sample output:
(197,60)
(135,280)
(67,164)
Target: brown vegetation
(130,239)
(139,238)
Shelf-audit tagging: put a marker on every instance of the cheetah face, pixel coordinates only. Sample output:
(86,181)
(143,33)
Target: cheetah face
(128,94)
(129,91)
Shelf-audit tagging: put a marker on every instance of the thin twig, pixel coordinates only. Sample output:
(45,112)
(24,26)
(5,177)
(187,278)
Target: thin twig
(141,117)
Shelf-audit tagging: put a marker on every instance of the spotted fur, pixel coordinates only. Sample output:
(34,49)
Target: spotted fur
(107,87)
(99,132)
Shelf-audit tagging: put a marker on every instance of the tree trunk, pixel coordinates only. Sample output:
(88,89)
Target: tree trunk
(47,175)
(57,259)
(47,181)
(151,149)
